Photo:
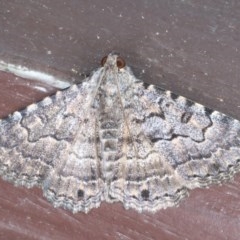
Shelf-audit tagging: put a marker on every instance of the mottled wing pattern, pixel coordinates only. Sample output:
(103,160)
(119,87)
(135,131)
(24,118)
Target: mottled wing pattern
(52,144)
(115,138)
(175,145)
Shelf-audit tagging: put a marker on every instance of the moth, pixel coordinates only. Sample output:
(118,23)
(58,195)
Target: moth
(113,138)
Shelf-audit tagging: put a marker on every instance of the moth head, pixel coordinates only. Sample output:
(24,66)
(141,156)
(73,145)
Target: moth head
(113,59)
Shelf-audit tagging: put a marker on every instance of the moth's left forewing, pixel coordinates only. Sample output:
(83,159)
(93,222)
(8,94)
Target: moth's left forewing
(174,144)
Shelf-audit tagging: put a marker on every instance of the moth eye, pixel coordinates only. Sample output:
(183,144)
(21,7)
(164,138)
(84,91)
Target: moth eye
(103,61)
(120,62)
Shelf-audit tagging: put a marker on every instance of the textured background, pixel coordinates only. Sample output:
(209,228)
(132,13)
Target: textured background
(189,47)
